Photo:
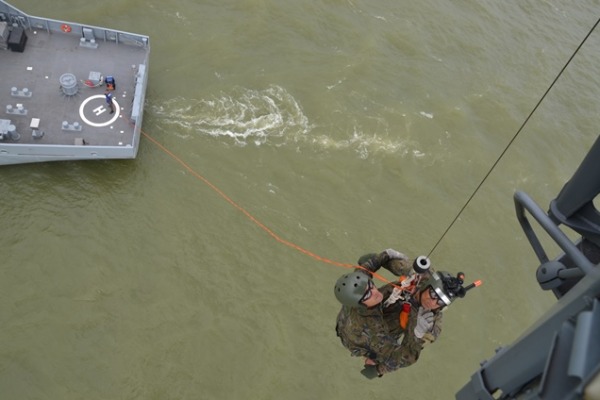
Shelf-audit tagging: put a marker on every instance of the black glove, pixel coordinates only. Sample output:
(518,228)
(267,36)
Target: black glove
(370,371)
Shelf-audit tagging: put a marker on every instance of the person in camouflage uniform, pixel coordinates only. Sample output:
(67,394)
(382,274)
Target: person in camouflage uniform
(370,329)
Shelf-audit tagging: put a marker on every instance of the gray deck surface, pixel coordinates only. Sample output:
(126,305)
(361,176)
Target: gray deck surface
(47,56)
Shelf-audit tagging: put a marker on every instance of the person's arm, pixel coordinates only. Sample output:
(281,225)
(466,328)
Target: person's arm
(390,259)
(382,346)
(408,352)
(385,350)
(381,342)
(392,356)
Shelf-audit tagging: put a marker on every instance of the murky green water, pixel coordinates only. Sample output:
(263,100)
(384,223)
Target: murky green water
(344,127)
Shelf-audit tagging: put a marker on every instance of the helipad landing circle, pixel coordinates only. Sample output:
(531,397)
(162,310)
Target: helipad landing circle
(98,110)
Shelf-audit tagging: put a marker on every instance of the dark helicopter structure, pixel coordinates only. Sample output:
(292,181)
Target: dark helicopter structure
(558,357)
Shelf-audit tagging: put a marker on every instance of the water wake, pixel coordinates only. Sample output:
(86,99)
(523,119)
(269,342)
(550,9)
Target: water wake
(273,117)
(245,115)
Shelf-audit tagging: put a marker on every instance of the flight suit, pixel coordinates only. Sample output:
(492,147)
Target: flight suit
(376,333)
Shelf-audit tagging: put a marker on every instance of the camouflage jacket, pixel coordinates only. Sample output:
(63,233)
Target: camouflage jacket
(376,332)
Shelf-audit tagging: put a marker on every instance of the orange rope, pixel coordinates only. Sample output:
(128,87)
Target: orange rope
(253,219)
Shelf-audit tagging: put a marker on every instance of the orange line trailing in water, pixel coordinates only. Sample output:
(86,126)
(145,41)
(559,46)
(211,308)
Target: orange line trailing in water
(251,217)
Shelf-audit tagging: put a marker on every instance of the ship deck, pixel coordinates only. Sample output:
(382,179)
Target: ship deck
(37,97)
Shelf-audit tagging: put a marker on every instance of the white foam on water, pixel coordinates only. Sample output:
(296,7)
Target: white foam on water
(273,117)
(245,115)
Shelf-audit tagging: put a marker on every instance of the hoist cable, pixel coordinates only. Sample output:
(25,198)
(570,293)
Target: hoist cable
(513,139)
(346,265)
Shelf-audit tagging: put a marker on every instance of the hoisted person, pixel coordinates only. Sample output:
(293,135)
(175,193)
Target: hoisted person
(391,325)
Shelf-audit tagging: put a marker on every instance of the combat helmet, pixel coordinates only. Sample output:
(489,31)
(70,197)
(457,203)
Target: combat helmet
(445,286)
(350,288)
